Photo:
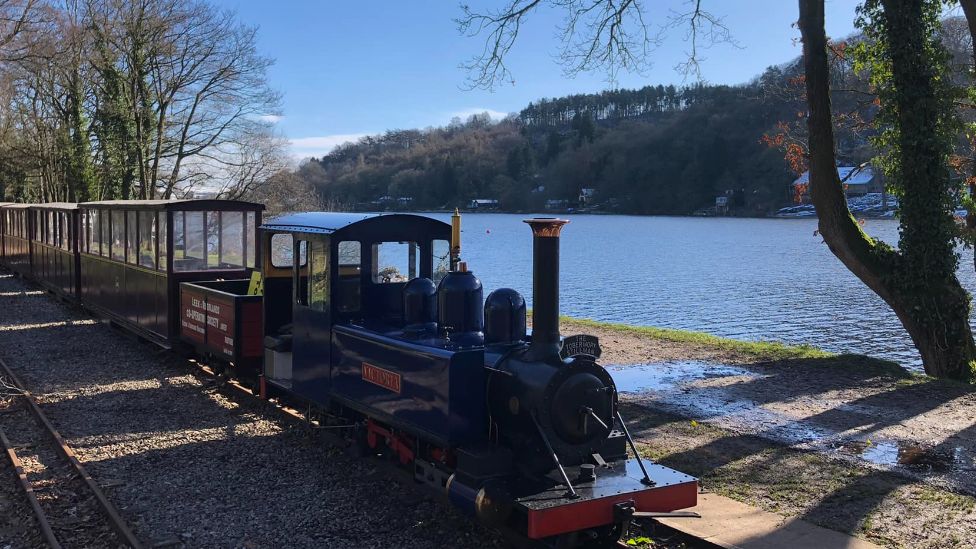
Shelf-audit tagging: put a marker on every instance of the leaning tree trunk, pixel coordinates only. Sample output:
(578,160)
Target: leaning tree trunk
(932,306)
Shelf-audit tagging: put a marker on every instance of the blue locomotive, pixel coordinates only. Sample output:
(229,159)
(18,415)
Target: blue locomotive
(374,323)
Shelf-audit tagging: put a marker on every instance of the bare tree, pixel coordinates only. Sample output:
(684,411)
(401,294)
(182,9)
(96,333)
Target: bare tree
(595,35)
(195,83)
(256,157)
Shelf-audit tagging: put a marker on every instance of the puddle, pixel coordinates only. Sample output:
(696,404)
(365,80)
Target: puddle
(674,387)
(695,390)
(906,454)
(664,376)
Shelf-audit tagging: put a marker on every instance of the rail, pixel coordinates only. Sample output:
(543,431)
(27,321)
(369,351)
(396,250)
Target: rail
(111,513)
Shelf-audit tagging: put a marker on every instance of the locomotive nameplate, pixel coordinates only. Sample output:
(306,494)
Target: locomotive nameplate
(384,378)
(581,345)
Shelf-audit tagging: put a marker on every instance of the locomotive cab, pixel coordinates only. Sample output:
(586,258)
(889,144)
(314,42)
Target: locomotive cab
(323,271)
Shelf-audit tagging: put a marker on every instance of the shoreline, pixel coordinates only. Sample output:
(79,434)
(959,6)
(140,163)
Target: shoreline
(625,214)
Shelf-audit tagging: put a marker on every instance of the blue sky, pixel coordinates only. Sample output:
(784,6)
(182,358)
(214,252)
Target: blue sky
(350,68)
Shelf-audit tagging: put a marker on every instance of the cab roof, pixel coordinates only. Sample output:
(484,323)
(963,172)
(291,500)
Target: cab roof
(346,222)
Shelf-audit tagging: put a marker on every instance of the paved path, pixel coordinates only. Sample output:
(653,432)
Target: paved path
(728,523)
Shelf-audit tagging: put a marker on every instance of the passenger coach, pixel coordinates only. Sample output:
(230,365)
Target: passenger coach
(3,230)
(135,253)
(54,247)
(16,238)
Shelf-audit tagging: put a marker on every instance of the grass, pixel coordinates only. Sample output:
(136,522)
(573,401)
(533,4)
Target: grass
(766,350)
(763,351)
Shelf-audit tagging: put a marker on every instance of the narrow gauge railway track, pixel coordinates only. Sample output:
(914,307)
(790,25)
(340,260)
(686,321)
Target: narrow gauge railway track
(70,507)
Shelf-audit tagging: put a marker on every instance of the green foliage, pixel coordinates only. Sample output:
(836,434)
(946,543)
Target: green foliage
(916,127)
(914,144)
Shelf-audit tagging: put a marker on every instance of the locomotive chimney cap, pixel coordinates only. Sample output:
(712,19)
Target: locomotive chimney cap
(546,226)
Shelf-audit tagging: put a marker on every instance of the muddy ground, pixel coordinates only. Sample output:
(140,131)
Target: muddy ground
(847,443)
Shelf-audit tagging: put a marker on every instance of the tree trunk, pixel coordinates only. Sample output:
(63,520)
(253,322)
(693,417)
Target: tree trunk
(969,10)
(934,310)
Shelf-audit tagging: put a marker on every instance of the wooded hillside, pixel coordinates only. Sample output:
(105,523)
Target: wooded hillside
(655,150)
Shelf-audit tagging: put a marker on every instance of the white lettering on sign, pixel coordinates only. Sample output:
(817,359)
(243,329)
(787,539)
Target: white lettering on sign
(194,315)
(192,327)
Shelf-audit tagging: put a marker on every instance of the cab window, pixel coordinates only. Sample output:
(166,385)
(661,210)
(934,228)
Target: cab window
(301,273)
(318,281)
(395,262)
(350,276)
(441,252)
(282,251)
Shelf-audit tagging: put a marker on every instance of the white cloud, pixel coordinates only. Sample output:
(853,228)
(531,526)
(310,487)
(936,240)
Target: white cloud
(272,118)
(465,113)
(304,147)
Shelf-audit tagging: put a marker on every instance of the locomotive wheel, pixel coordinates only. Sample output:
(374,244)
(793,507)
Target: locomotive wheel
(357,446)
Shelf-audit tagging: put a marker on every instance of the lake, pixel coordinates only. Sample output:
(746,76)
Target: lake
(769,279)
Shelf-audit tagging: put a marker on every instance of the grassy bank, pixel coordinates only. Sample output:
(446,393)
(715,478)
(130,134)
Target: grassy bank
(749,351)
(764,350)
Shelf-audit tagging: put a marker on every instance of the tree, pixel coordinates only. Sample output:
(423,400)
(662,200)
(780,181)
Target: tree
(118,99)
(918,281)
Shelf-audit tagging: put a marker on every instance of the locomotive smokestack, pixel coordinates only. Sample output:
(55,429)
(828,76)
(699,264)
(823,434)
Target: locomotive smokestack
(545,286)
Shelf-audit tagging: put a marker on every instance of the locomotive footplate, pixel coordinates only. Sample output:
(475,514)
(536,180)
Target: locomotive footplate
(551,511)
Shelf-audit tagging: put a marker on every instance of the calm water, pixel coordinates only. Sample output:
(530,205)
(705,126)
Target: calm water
(768,279)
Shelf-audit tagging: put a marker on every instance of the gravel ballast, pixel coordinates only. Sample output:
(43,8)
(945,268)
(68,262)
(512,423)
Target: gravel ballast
(190,465)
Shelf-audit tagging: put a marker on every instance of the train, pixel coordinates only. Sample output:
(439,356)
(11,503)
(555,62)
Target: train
(375,324)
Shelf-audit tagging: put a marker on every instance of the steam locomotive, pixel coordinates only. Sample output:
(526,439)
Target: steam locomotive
(374,322)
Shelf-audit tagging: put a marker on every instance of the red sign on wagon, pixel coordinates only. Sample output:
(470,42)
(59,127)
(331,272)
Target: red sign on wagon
(384,378)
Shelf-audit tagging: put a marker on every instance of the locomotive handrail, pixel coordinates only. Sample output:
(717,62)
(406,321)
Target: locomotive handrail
(640,461)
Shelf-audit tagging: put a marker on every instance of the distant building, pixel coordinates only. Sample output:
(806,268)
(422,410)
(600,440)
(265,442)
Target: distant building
(553,204)
(586,196)
(857,181)
(721,205)
(483,204)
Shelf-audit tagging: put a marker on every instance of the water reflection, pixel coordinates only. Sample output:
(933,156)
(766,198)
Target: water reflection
(906,454)
(662,376)
(716,393)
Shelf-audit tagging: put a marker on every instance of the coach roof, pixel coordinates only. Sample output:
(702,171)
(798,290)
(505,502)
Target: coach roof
(175,205)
